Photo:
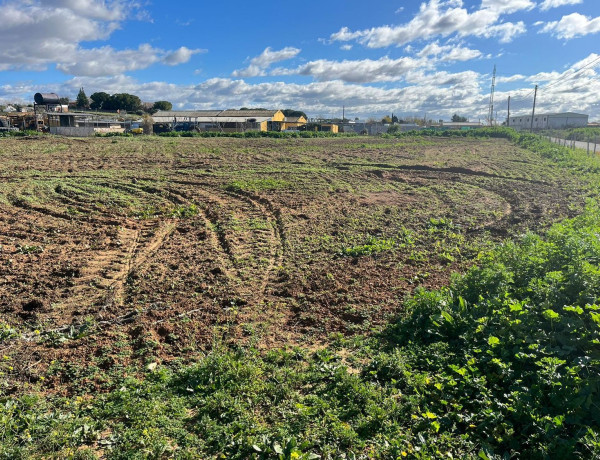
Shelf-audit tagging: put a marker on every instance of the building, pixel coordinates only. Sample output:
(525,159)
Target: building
(83,124)
(460,125)
(365,128)
(293,123)
(219,120)
(549,121)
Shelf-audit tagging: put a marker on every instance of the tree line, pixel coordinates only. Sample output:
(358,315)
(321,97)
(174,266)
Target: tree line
(119,101)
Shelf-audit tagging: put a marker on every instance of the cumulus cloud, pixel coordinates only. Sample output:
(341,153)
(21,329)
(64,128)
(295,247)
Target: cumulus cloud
(383,69)
(440,94)
(356,71)
(510,79)
(46,32)
(507,6)
(263,61)
(548,4)
(106,60)
(115,10)
(449,53)
(444,18)
(180,56)
(572,25)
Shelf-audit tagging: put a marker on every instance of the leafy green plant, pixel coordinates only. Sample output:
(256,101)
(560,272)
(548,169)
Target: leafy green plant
(373,245)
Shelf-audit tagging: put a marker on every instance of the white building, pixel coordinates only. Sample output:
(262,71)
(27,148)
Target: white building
(549,121)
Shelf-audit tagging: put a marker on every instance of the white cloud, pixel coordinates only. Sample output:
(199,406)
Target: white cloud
(180,56)
(507,6)
(449,52)
(46,32)
(439,94)
(346,47)
(548,4)
(444,18)
(115,10)
(572,25)
(263,61)
(511,79)
(361,71)
(106,60)
(383,69)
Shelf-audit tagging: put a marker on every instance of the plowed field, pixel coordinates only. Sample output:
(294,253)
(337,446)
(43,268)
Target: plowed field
(116,251)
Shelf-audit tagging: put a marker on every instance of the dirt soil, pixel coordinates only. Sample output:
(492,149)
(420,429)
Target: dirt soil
(128,251)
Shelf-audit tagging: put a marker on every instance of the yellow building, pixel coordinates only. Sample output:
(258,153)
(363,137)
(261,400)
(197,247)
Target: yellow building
(293,122)
(329,128)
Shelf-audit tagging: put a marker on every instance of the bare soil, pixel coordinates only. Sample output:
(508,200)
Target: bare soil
(135,250)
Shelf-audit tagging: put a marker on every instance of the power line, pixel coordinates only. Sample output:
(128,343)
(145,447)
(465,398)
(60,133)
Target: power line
(567,76)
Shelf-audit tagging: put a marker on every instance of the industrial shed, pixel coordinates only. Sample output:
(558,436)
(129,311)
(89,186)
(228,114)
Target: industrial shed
(219,120)
(549,121)
(82,124)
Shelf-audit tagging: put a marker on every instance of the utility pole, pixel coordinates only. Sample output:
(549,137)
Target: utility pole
(343,113)
(491,111)
(508,119)
(533,113)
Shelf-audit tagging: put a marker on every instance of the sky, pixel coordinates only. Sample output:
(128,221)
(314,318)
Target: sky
(430,58)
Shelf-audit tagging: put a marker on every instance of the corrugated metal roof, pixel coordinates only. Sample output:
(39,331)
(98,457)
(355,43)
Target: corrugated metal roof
(187,113)
(241,119)
(211,119)
(248,113)
(563,114)
(292,119)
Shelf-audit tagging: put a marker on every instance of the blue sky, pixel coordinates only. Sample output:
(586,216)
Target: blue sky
(433,57)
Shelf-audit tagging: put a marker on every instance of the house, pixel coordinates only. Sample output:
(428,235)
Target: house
(549,121)
(10,109)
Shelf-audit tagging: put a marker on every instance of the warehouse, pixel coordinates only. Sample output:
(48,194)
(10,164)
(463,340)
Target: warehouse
(549,121)
(219,120)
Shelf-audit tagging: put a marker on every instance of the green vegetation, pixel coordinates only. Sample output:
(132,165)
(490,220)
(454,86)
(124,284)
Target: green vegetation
(251,134)
(19,133)
(502,363)
(256,185)
(372,246)
(173,343)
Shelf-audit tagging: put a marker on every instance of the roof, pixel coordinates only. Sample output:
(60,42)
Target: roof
(552,115)
(248,113)
(564,114)
(187,113)
(293,119)
(242,119)
(212,119)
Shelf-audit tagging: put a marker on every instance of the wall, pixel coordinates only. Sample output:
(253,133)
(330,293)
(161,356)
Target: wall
(72,131)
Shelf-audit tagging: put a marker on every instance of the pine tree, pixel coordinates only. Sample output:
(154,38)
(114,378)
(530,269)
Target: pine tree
(82,100)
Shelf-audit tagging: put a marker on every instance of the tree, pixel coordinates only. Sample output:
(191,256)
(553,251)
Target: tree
(63,100)
(394,119)
(294,113)
(98,100)
(393,129)
(386,120)
(82,100)
(458,119)
(123,101)
(162,105)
